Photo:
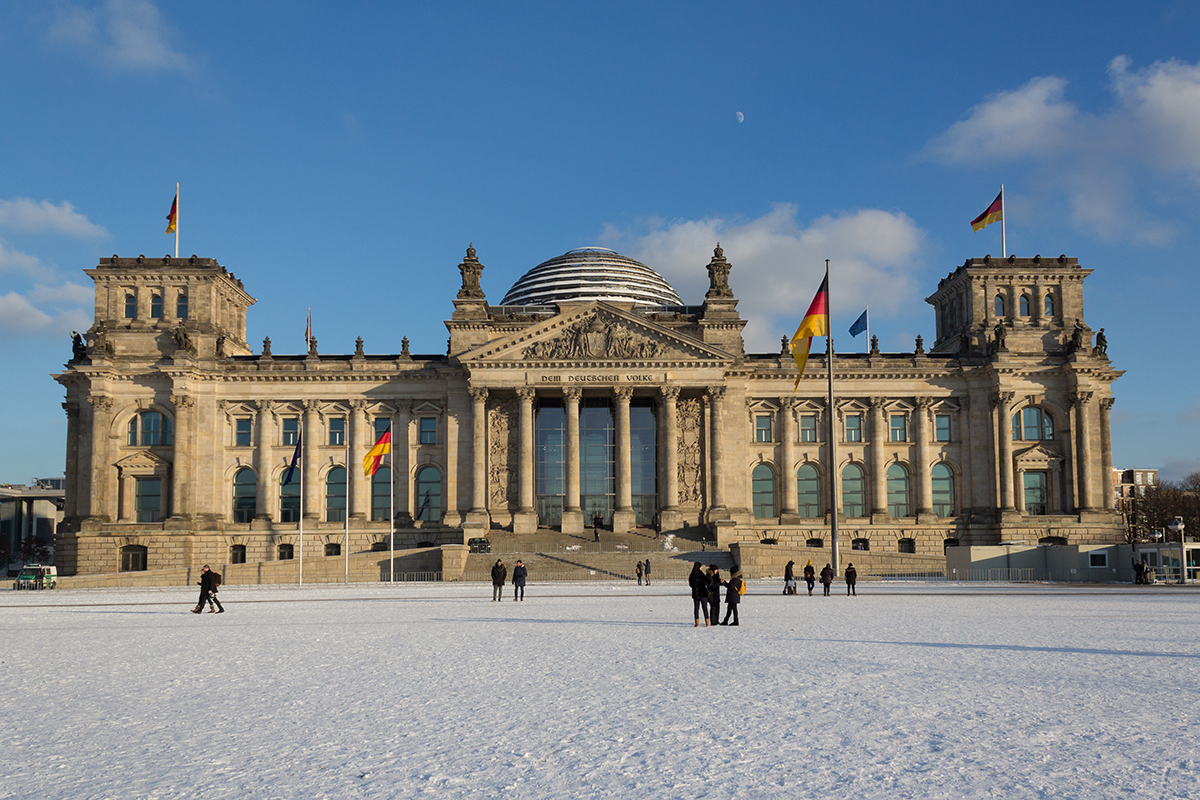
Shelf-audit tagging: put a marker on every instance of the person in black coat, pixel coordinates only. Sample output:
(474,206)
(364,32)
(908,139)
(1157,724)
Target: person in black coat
(810,576)
(851,580)
(206,588)
(714,593)
(499,573)
(646,567)
(212,595)
(699,583)
(519,575)
(733,596)
(827,578)
(789,578)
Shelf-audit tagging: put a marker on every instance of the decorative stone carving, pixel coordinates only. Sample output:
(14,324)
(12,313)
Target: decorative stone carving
(874,345)
(266,347)
(1001,333)
(920,345)
(572,393)
(1101,348)
(100,402)
(594,338)
(690,416)
(1077,336)
(183,340)
(220,348)
(472,271)
(667,392)
(623,393)
(718,276)
(504,434)
(358,348)
(182,401)
(312,346)
(78,348)
(404,348)
(478,394)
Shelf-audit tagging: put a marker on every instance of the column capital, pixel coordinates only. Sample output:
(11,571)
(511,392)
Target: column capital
(1081,399)
(1003,400)
(669,393)
(264,406)
(876,403)
(1106,403)
(478,394)
(358,404)
(623,393)
(71,410)
(716,392)
(572,393)
(100,402)
(526,393)
(923,403)
(182,401)
(311,405)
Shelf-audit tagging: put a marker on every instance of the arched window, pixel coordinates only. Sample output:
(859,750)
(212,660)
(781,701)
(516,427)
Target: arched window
(381,494)
(1053,540)
(906,545)
(156,306)
(130,306)
(237,554)
(286,553)
(335,495)
(897,491)
(1032,424)
(245,495)
(1048,308)
(333,549)
(429,494)
(763,489)
(854,495)
(181,306)
(808,491)
(133,558)
(289,497)
(149,429)
(943,490)
(999,306)
(1023,305)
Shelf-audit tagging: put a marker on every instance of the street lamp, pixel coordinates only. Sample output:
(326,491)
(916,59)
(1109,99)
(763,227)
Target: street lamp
(1176,526)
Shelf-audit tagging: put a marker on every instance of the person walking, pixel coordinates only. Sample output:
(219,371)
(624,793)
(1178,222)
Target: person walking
(638,570)
(206,587)
(734,588)
(646,567)
(789,578)
(851,580)
(827,578)
(810,576)
(212,595)
(499,573)
(699,583)
(519,575)
(714,593)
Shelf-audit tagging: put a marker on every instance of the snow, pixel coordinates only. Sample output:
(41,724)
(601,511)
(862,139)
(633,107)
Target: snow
(600,690)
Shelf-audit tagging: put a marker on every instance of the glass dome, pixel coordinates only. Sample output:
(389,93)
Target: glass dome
(591,273)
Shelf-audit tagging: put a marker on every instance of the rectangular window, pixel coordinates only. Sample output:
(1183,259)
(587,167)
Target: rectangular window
(148,499)
(428,430)
(1099,559)
(854,427)
(941,427)
(762,428)
(1036,493)
(337,431)
(382,425)
(291,430)
(808,427)
(899,428)
(242,431)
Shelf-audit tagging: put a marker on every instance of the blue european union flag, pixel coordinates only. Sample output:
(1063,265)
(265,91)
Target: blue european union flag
(295,462)
(859,325)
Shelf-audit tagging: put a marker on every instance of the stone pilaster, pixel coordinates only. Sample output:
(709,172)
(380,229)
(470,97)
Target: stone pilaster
(525,519)
(478,513)
(669,516)
(1106,464)
(572,518)
(181,469)
(878,479)
(402,468)
(98,502)
(1003,402)
(924,498)
(359,436)
(314,491)
(716,462)
(787,447)
(264,431)
(624,518)
(1087,497)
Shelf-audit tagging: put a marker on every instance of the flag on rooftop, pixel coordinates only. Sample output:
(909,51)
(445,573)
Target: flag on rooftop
(173,217)
(994,213)
(860,324)
(815,323)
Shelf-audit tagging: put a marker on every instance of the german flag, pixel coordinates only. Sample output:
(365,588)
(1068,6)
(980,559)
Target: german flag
(375,457)
(994,213)
(173,217)
(815,323)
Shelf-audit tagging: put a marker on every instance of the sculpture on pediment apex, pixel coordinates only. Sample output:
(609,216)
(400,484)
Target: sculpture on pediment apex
(358,346)
(718,275)
(266,346)
(472,272)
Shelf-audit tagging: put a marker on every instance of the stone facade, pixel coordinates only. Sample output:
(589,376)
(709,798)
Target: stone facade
(179,435)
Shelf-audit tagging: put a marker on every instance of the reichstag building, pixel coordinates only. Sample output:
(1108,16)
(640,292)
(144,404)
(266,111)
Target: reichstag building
(592,390)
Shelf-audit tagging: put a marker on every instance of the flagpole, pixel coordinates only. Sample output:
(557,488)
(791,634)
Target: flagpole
(867,343)
(1003,229)
(177,219)
(392,507)
(833,505)
(300,439)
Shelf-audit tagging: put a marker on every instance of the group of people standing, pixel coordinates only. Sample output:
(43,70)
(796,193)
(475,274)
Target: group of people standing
(643,571)
(706,594)
(500,573)
(810,577)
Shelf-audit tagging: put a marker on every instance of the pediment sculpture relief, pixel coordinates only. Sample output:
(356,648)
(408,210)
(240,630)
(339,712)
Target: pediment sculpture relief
(595,338)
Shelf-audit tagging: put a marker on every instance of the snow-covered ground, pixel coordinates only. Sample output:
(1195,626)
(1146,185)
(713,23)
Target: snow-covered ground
(595,690)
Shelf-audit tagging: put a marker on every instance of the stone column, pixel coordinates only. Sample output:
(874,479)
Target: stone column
(623,516)
(1003,402)
(181,470)
(1087,498)
(71,500)
(716,461)
(922,466)
(359,435)
(99,500)
(1020,496)
(1039,301)
(313,491)
(572,521)
(669,516)
(402,477)
(479,450)
(787,434)
(879,437)
(1106,465)
(264,432)
(525,519)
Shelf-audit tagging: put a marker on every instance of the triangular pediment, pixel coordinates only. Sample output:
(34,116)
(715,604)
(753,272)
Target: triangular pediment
(1037,456)
(143,462)
(595,332)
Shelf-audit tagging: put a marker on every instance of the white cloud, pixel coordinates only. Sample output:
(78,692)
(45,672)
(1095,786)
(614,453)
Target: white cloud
(18,315)
(21,316)
(30,216)
(778,263)
(1118,168)
(18,262)
(126,34)
(68,294)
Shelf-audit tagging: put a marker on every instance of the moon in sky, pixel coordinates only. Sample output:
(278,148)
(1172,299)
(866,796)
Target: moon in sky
(740,116)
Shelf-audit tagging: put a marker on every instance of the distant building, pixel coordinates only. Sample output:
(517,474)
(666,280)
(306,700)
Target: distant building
(29,515)
(591,391)
(1129,486)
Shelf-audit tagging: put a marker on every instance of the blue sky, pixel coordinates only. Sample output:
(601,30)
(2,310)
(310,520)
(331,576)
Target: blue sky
(342,158)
